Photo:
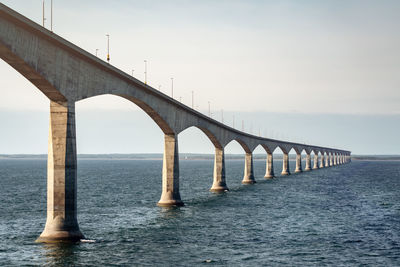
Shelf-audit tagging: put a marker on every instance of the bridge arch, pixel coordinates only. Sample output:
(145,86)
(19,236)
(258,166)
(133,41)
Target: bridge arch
(241,143)
(210,135)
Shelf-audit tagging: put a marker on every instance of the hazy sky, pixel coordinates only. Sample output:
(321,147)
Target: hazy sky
(333,60)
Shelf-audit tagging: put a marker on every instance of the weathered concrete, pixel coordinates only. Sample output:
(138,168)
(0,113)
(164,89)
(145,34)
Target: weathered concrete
(269,172)
(170,195)
(308,162)
(285,164)
(61,223)
(248,170)
(219,183)
(334,159)
(298,164)
(322,162)
(330,159)
(326,160)
(315,161)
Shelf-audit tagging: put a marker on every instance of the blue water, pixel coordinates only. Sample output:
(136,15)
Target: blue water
(342,216)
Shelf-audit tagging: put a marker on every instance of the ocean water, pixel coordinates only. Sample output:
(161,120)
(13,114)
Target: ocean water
(347,215)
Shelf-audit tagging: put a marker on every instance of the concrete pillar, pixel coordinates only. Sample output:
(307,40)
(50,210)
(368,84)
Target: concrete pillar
(269,173)
(322,163)
(170,195)
(334,159)
(330,160)
(315,161)
(61,224)
(248,170)
(326,160)
(308,162)
(298,164)
(285,164)
(219,183)
(340,159)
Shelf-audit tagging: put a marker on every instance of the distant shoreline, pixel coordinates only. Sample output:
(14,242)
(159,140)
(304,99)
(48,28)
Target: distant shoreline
(183,156)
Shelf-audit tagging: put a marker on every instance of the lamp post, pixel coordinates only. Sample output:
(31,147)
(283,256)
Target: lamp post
(108,48)
(145,72)
(97,50)
(43,14)
(192,100)
(51,17)
(172,87)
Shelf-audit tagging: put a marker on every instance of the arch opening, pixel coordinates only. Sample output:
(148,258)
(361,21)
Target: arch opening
(196,154)
(234,161)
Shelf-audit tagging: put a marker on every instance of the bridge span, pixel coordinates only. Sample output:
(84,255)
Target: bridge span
(66,74)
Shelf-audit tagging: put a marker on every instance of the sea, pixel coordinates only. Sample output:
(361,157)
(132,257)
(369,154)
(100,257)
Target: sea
(346,215)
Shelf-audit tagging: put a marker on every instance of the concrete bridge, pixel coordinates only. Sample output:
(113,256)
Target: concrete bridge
(66,74)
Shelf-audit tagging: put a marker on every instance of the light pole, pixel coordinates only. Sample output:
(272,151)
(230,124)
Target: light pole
(51,18)
(192,100)
(172,87)
(209,109)
(43,14)
(145,72)
(108,48)
(222,115)
(97,51)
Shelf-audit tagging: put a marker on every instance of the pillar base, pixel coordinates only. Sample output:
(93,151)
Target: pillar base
(269,176)
(219,188)
(298,171)
(170,203)
(60,237)
(307,169)
(248,180)
(169,199)
(285,173)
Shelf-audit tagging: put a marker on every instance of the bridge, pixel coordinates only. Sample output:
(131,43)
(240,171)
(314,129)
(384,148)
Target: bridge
(66,74)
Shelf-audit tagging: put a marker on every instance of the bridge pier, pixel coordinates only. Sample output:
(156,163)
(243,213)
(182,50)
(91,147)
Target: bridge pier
(315,161)
(334,159)
(269,172)
(170,195)
(330,159)
(248,170)
(61,224)
(322,163)
(285,164)
(219,182)
(327,160)
(298,163)
(308,162)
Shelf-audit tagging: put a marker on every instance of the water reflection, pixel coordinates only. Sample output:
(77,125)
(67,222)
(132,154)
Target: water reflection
(171,212)
(60,254)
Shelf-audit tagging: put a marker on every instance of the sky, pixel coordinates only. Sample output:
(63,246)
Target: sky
(319,72)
